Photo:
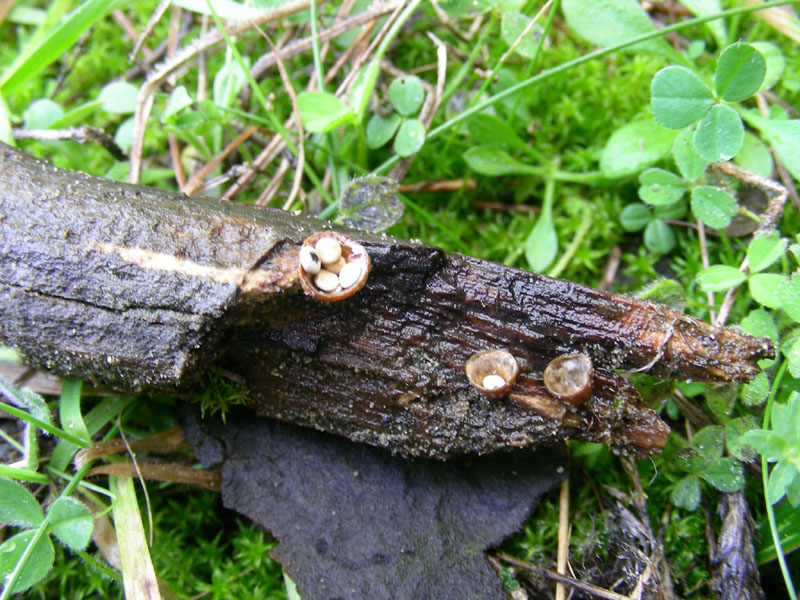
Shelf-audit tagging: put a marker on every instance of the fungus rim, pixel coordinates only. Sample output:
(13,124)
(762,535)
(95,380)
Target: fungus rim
(476,371)
(579,395)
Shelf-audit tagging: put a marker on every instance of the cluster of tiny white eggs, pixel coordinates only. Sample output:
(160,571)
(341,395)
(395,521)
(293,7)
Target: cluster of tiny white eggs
(328,267)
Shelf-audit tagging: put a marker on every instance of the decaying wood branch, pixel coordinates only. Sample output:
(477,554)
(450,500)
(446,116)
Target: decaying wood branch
(145,289)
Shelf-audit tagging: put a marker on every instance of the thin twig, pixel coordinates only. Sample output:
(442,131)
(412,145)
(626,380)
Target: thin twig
(665,575)
(441,75)
(82,135)
(695,415)
(563,537)
(727,301)
(344,10)
(174,146)
(340,62)
(375,12)
(788,182)
(523,34)
(639,498)
(362,58)
(175,157)
(266,156)
(144,101)
(277,145)
(443,17)
(656,554)
(777,195)
(210,184)
(474,28)
(5,8)
(175,16)
(148,29)
(125,23)
(274,184)
(701,236)
(584,587)
(269,153)
(610,272)
(432,99)
(141,67)
(196,180)
(455,185)
(301,147)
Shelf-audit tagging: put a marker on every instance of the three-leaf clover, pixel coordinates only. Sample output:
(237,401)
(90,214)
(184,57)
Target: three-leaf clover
(680,99)
(703,460)
(406,95)
(664,192)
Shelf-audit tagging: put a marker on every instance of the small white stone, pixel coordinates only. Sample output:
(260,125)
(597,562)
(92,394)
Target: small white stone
(309,260)
(493,382)
(326,281)
(329,250)
(350,274)
(337,266)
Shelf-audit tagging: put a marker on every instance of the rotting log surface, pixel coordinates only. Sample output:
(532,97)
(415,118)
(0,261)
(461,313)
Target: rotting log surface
(145,289)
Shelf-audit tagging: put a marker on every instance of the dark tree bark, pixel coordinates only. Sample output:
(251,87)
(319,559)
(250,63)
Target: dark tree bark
(145,289)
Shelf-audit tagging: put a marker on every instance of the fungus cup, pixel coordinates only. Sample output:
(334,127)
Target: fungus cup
(492,372)
(332,266)
(569,378)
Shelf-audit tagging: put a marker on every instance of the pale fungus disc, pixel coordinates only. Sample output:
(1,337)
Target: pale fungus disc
(337,266)
(350,274)
(309,260)
(492,382)
(326,281)
(329,250)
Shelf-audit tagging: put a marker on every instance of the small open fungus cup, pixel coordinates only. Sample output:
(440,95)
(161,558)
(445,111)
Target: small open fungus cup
(332,266)
(569,378)
(492,372)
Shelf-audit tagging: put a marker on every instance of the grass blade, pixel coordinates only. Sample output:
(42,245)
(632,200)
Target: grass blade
(54,45)
(69,409)
(21,414)
(95,420)
(138,574)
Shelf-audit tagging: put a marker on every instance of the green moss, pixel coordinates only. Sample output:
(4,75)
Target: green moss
(220,393)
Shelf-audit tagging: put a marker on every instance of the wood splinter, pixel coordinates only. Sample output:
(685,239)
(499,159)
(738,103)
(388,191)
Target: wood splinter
(144,289)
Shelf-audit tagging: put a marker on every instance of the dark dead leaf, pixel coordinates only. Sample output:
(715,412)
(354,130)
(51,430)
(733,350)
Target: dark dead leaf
(355,522)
